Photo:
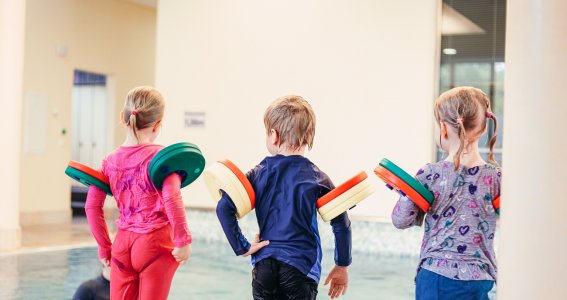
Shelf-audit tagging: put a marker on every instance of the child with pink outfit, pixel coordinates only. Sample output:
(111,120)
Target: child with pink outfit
(153,237)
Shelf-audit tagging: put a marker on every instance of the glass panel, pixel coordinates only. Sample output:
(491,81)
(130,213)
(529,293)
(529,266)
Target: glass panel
(474,56)
(473,74)
(445,78)
(498,99)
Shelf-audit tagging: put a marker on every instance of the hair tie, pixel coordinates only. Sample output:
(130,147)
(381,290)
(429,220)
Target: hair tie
(134,112)
(460,120)
(489,115)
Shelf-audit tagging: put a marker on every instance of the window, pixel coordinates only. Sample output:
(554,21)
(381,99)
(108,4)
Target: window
(472,53)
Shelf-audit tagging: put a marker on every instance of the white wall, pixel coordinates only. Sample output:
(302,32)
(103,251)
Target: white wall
(534,232)
(12,28)
(367,67)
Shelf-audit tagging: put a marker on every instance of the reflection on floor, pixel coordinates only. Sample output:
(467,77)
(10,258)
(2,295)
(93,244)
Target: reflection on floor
(57,236)
(73,233)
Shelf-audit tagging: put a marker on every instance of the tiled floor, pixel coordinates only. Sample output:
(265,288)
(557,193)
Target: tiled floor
(76,232)
(56,236)
(204,225)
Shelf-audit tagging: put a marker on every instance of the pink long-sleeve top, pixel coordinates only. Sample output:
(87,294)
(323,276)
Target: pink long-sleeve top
(143,208)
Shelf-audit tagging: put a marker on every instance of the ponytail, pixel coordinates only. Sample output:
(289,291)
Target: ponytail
(493,139)
(462,139)
(132,123)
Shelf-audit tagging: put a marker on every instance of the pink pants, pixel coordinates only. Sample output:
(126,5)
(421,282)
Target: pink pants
(142,266)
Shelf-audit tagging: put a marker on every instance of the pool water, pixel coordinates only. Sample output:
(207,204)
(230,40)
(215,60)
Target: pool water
(384,262)
(213,272)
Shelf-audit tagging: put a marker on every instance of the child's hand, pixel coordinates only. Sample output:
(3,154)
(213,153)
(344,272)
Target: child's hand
(339,281)
(105,262)
(256,245)
(182,254)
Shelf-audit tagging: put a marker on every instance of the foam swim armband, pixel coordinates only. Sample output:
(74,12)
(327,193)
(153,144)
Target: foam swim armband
(226,176)
(88,176)
(183,158)
(345,196)
(496,205)
(403,183)
(406,185)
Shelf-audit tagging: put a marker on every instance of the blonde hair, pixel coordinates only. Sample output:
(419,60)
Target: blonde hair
(466,109)
(143,108)
(293,119)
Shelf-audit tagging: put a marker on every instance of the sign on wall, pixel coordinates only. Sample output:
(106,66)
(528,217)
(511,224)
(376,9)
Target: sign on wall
(194,119)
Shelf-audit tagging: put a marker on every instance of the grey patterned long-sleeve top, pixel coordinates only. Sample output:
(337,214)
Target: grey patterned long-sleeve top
(458,241)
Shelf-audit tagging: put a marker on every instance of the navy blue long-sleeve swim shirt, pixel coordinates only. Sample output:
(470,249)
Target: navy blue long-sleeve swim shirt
(287,189)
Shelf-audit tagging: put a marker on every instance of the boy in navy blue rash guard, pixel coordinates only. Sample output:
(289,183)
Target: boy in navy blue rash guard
(287,252)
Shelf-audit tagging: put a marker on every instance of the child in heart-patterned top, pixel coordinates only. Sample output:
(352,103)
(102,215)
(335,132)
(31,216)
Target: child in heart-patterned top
(457,258)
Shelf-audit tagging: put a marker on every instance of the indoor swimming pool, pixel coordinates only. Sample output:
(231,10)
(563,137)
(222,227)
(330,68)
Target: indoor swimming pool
(213,272)
(384,261)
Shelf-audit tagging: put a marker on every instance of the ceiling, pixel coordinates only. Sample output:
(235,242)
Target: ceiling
(490,15)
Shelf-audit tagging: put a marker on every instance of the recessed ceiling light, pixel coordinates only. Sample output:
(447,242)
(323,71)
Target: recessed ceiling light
(449,51)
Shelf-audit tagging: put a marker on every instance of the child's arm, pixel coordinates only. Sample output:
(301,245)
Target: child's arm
(406,214)
(338,277)
(340,224)
(97,224)
(175,210)
(226,212)
(343,239)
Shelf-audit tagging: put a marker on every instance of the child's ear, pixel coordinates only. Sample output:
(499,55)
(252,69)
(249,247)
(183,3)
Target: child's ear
(274,137)
(122,118)
(157,125)
(443,128)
